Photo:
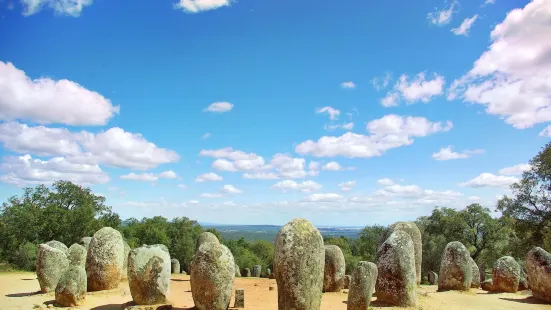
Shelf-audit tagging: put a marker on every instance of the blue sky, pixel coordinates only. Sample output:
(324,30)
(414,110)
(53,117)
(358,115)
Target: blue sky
(256,112)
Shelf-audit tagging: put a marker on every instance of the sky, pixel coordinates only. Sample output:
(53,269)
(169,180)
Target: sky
(347,113)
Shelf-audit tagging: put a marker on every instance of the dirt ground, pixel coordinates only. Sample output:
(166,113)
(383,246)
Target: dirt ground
(20,291)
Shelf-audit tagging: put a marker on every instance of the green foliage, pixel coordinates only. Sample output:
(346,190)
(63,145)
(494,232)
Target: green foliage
(247,254)
(25,257)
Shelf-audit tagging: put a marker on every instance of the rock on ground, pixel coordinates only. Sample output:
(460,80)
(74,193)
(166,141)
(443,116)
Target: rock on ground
(58,245)
(538,272)
(239,298)
(149,274)
(71,288)
(85,242)
(175,265)
(432,277)
(362,286)
(346,281)
(396,280)
(475,282)
(299,259)
(413,230)
(246,272)
(77,255)
(266,273)
(523,283)
(206,237)
(506,275)
(237,271)
(51,263)
(334,269)
(456,272)
(104,263)
(257,270)
(212,275)
(124,274)
(487,285)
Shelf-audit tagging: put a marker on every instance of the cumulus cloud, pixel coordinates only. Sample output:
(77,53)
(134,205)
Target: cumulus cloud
(219,107)
(169,174)
(413,192)
(418,89)
(260,176)
(230,189)
(325,197)
(348,85)
(515,170)
(490,180)
(290,185)
(347,186)
(512,78)
(38,140)
(332,112)
(210,195)
(385,182)
(63,7)
(446,153)
(388,132)
(381,83)
(465,26)
(182,186)
(205,136)
(196,6)
(229,159)
(345,126)
(47,101)
(146,177)
(208,177)
(443,16)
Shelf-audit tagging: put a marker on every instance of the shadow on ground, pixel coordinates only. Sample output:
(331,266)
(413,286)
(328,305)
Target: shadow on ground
(179,280)
(528,300)
(23,294)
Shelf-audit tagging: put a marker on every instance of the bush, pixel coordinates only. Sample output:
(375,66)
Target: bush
(25,257)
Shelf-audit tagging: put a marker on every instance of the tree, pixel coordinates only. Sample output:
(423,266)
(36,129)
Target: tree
(368,242)
(481,231)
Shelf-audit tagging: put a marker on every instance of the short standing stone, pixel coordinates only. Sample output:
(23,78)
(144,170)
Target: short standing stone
(206,237)
(239,298)
(85,242)
(77,255)
(58,245)
(362,286)
(538,272)
(413,230)
(257,269)
(487,285)
(266,273)
(299,259)
(124,274)
(104,263)
(175,265)
(71,288)
(396,280)
(246,272)
(482,272)
(433,278)
(333,271)
(347,279)
(212,276)
(475,283)
(456,272)
(51,264)
(271,276)
(506,275)
(523,283)
(237,271)
(149,274)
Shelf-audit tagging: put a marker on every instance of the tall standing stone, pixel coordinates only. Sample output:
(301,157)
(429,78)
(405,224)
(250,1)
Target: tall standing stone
(362,286)
(246,272)
(257,270)
(85,242)
(413,230)
(105,259)
(124,274)
(237,271)
(206,237)
(347,279)
(51,263)
(212,276)
(77,255)
(506,275)
(538,272)
(299,260)
(175,265)
(475,283)
(456,272)
(433,278)
(58,245)
(149,274)
(396,279)
(333,273)
(71,288)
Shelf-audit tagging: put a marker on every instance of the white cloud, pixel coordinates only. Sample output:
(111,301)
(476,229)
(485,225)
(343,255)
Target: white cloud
(260,176)
(418,89)
(223,165)
(512,78)
(324,197)
(306,186)
(206,136)
(333,113)
(381,82)
(64,7)
(390,100)
(210,195)
(385,182)
(208,177)
(24,170)
(345,126)
(444,16)
(289,167)
(196,6)
(474,198)
(219,107)
(146,177)
(390,131)
(182,186)
(515,170)
(348,85)
(230,189)
(489,2)
(347,186)
(47,101)
(240,161)
(463,29)
(413,193)
(446,153)
(332,166)
(490,180)
(169,174)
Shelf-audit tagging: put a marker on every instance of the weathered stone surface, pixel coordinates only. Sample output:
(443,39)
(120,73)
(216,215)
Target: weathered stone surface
(346,281)
(105,259)
(456,272)
(237,271)
(334,269)
(266,273)
(71,288)
(538,272)
(124,274)
(475,282)
(239,298)
(77,255)
(415,234)
(271,276)
(212,275)
(506,275)
(482,272)
(206,237)
(58,245)
(432,277)
(149,274)
(85,242)
(362,286)
(51,263)
(257,270)
(487,285)
(523,282)
(246,272)
(299,260)
(396,280)
(175,265)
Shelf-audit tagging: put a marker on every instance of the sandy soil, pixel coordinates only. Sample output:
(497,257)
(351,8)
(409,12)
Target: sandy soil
(20,291)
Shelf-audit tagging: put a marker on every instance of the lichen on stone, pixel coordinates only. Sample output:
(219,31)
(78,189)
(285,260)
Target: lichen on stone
(362,286)
(149,274)
(455,268)
(538,272)
(333,274)
(105,259)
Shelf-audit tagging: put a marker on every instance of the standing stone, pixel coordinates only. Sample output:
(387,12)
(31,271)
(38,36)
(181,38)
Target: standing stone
(246,272)
(333,272)
(51,263)
(266,273)
(396,280)
(362,286)
(237,271)
(538,272)
(413,230)
(257,269)
(299,259)
(85,242)
(239,298)
(127,249)
(77,255)
(212,275)
(105,259)
(475,283)
(482,272)
(58,245)
(71,288)
(149,274)
(487,285)
(175,265)
(506,275)
(433,278)
(523,283)
(456,272)
(347,279)
(206,237)
(271,276)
